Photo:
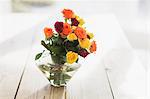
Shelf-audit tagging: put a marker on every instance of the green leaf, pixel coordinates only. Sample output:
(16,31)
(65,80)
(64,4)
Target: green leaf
(38,56)
(57,40)
(58,59)
(66,20)
(56,49)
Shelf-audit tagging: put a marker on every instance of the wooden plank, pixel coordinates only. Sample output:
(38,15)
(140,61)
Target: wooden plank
(49,92)
(10,73)
(126,74)
(12,62)
(131,74)
(90,82)
(58,93)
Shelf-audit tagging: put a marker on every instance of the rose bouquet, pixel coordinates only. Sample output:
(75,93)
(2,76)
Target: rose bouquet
(65,45)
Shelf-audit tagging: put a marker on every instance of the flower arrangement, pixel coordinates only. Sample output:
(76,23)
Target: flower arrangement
(69,41)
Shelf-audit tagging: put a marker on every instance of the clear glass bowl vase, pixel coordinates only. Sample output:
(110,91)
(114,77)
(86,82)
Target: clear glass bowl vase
(59,75)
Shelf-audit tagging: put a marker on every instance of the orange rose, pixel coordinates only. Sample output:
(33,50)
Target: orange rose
(68,13)
(66,29)
(48,32)
(93,47)
(80,32)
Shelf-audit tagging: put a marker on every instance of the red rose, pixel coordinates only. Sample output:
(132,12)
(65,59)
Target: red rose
(83,52)
(59,27)
(74,22)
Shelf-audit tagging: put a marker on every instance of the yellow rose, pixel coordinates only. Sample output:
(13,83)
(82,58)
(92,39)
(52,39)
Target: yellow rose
(91,35)
(77,17)
(80,20)
(84,43)
(71,57)
(73,27)
(72,37)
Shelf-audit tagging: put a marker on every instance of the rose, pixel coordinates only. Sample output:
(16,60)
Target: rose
(74,22)
(48,32)
(80,32)
(93,47)
(83,52)
(68,13)
(71,57)
(84,43)
(66,29)
(59,26)
(72,37)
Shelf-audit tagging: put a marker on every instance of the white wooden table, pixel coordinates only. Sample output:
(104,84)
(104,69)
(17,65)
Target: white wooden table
(114,72)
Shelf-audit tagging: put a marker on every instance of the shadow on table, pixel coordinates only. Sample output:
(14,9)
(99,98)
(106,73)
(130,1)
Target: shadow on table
(49,92)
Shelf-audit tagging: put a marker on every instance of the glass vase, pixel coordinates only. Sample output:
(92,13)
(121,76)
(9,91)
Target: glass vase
(57,74)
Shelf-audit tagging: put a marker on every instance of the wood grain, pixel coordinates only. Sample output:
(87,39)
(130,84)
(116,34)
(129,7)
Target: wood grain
(49,92)
(10,73)
(125,71)
(57,93)
(13,58)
